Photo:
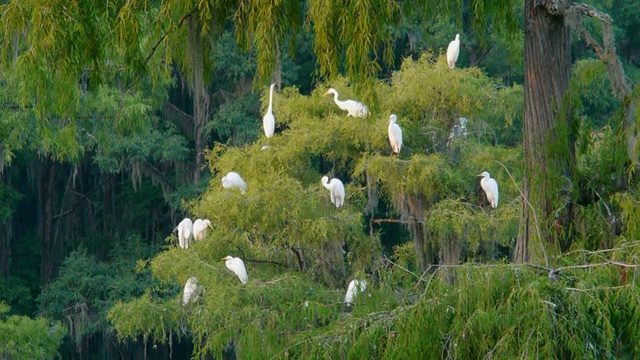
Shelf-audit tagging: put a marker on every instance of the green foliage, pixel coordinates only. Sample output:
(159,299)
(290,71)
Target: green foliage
(10,198)
(592,83)
(22,337)
(498,311)
(17,293)
(298,248)
(86,288)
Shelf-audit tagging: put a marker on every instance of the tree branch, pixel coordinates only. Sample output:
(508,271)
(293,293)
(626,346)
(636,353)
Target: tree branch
(77,203)
(157,43)
(590,11)
(591,41)
(619,82)
(267,262)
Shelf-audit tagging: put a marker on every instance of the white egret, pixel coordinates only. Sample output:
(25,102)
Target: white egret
(237,266)
(453,51)
(191,291)
(185,232)
(395,134)
(355,287)
(336,189)
(355,108)
(234,180)
(490,187)
(269,121)
(200,228)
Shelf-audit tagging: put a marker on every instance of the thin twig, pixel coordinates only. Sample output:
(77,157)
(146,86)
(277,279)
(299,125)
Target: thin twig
(401,267)
(267,262)
(205,263)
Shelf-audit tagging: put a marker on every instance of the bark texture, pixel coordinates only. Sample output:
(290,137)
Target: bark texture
(547,141)
(51,250)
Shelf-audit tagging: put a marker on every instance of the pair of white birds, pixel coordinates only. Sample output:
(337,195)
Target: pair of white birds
(354,108)
(192,290)
(188,230)
(358,109)
(234,180)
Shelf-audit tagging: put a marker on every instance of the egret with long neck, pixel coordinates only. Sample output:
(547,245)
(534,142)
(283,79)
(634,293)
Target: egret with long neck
(269,121)
(453,51)
(354,108)
(490,187)
(336,190)
(395,134)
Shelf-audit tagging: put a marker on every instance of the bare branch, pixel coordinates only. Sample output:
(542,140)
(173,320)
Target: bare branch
(590,11)
(267,262)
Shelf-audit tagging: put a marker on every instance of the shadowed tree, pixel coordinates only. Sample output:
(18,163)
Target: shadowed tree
(549,127)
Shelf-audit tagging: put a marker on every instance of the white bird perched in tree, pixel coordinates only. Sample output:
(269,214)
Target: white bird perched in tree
(185,232)
(234,180)
(336,189)
(490,187)
(269,121)
(200,228)
(453,51)
(395,134)
(237,266)
(355,108)
(355,287)
(191,291)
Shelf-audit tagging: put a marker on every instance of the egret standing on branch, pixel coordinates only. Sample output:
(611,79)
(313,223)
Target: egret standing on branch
(453,51)
(237,266)
(336,189)
(395,134)
(185,232)
(200,228)
(269,121)
(355,108)
(490,187)
(355,287)
(234,180)
(191,291)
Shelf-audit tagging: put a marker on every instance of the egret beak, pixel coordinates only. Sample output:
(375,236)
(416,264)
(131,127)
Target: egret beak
(327,93)
(479,175)
(210,226)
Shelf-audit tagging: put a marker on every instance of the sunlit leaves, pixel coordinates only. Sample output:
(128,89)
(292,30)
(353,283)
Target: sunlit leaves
(22,337)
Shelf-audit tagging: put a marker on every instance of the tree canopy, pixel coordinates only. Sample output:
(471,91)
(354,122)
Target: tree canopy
(120,118)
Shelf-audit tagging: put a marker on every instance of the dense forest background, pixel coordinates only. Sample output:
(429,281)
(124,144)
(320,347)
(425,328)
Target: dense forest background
(120,118)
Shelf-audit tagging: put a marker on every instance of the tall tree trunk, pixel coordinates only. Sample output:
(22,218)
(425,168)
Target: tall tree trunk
(548,140)
(201,99)
(412,211)
(5,233)
(5,249)
(50,250)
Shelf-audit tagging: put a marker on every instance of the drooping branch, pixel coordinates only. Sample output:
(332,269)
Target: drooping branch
(607,53)
(592,41)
